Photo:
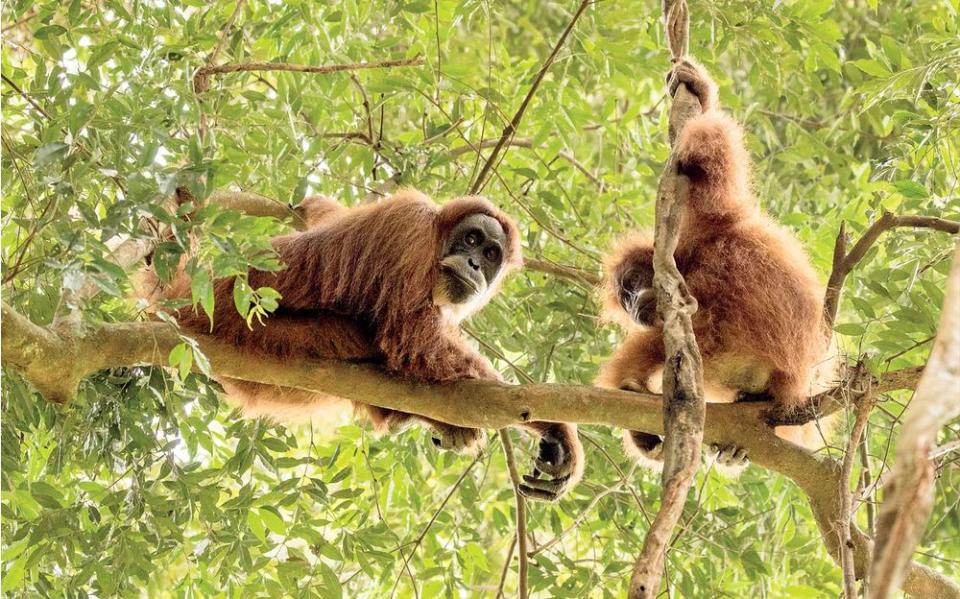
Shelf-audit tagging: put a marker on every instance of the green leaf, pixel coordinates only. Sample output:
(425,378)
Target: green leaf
(871,67)
(242,296)
(181,358)
(201,287)
(827,55)
(166,259)
(269,298)
(273,521)
(911,189)
(11,551)
(849,329)
(48,31)
(50,152)
(256,524)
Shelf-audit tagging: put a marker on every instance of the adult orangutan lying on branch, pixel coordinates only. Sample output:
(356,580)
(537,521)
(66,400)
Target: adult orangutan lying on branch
(388,283)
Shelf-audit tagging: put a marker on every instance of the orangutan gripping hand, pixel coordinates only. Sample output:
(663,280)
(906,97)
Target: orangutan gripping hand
(388,283)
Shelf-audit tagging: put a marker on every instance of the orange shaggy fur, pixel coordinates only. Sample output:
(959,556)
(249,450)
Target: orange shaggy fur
(357,286)
(759,324)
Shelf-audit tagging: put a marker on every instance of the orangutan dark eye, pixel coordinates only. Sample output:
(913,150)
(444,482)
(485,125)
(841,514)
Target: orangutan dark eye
(473,238)
(492,254)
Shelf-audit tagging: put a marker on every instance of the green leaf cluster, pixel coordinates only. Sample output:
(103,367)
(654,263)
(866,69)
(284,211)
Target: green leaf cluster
(150,485)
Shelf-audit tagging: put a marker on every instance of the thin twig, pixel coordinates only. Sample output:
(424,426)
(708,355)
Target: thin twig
(844,262)
(521,513)
(944,449)
(366,108)
(376,504)
(565,272)
(506,568)
(201,80)
(212,58)
(32,14)
(584,513)
(436,35)
(846,498)
(526,143)
(514,123)
(26,97)
(866,482)
(224,32)
(533,215)
(48,116)
(426,529)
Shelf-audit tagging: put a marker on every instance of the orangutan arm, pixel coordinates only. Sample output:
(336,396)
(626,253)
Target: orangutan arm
(421,346)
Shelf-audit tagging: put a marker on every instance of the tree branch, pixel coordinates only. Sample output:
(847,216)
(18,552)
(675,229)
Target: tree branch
(49,117)
(526,143)
(506,568)
(908,492)
(510,130)
(522,591)
(26,97)
(212,58)
(683,396)
(564,272)
(843,261)
(584,513)
(845,516)
(855,382)
(426,529)
(56,360)
(201,80)
(224,32)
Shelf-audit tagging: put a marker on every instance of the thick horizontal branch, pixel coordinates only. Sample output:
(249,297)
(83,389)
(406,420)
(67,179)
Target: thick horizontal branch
(254,204)
(56,360)
(855,383)
(201,80)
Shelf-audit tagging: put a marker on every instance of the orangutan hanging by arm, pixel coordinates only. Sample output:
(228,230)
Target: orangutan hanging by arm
(758,323)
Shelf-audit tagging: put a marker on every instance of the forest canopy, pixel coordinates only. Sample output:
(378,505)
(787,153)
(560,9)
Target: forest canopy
(138,480)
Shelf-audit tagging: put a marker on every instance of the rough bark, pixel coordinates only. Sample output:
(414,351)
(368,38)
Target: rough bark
(684,408)
(846,514)
(523,565)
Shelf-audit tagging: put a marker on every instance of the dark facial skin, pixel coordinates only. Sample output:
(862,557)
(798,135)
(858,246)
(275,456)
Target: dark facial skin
(636,295)
(473,255)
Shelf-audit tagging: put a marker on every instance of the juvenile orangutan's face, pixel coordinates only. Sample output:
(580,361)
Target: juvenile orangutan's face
(471,261)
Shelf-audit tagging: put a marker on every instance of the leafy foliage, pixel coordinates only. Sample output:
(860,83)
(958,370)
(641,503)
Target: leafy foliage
(148,484)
